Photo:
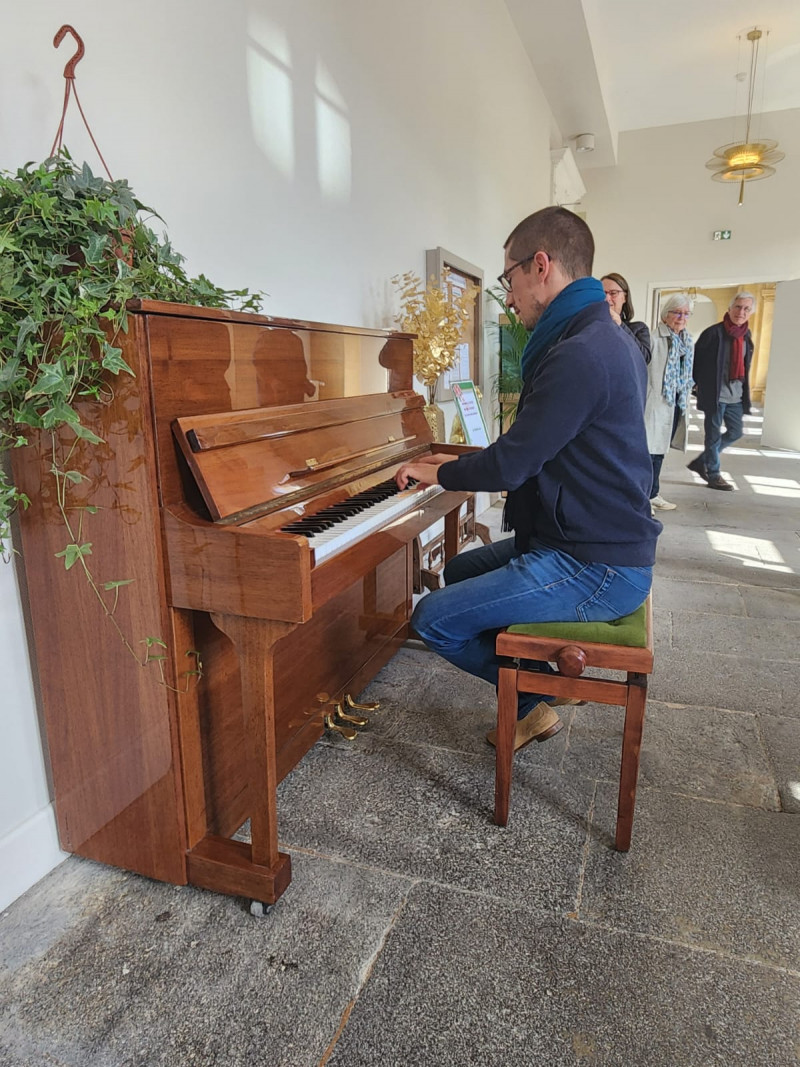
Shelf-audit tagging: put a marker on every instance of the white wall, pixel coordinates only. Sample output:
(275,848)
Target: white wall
(781,427)
(28,840)
(654,215)
(308,148)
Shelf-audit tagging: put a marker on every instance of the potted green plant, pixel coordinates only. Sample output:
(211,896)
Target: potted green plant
(507,383)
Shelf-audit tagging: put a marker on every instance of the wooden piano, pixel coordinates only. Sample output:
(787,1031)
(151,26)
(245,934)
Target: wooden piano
(244,494)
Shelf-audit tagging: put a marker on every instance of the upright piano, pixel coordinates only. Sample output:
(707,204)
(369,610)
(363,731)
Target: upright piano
(247,542)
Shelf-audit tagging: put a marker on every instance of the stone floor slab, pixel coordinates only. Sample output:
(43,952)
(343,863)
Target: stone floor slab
(701,752)
(146,975)
(670,594)
(714,876)
(427,813)
(764,639)
(738,683)
(771,603)
(782,738)
(470,981)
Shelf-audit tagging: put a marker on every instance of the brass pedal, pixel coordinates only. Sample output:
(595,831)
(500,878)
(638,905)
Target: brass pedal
(343,716)
(345,731)
(371,706)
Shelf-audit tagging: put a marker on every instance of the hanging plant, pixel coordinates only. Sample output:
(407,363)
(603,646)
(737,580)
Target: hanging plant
(74,248)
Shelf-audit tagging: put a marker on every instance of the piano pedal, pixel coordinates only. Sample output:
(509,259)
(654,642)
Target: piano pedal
(373,705)
(343,716)
(345,731)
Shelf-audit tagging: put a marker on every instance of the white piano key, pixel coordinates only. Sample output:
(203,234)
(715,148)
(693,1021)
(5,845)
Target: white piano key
(346,533)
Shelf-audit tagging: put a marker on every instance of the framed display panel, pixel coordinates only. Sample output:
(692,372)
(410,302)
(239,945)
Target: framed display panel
(470,349)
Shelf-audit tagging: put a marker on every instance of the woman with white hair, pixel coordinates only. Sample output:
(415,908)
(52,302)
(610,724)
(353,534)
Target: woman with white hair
(669,384)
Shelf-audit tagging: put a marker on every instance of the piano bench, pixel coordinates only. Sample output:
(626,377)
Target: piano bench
(624,644)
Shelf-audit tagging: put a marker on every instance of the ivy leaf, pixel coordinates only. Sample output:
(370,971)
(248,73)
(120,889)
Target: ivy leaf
(150,641)
(49,381)
(118,584)
(26,328)
(95,248)
(72,553)
(113,361)
(75,477)
(86,434)
(60,412)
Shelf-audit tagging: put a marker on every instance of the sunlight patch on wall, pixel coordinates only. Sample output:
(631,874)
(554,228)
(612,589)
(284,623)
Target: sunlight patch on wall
(749,551)
(334,153)
(269,83)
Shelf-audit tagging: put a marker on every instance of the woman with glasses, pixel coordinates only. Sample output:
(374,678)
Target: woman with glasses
(618,298)
(669,384)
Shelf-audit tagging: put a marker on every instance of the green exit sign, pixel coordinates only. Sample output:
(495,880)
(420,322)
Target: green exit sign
(722,235)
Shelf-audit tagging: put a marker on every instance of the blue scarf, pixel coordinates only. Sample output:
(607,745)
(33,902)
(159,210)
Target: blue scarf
(577,296)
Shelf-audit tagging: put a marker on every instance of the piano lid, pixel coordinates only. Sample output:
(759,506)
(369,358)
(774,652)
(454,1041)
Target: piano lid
(250,463)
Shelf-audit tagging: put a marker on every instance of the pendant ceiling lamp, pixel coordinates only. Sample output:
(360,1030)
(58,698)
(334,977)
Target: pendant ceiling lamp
(746,160)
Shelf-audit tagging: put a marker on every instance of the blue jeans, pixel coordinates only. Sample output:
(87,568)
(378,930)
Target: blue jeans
(496,586)
(657,461)
(715,439)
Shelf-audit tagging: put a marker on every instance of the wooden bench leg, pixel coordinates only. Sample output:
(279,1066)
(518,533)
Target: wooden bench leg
(629,770)
(506,724)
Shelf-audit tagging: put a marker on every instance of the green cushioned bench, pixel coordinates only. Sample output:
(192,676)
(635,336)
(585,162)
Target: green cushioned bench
(630,630)
(624,644)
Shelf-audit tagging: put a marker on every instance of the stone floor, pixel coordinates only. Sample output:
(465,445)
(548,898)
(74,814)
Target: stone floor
(417,932)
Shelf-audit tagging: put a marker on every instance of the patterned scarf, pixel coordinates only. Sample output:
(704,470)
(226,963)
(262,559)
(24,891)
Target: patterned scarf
(736,334)
(678,371)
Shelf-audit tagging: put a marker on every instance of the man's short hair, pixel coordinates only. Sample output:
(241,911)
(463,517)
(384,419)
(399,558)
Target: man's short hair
(561,234)
(743,295)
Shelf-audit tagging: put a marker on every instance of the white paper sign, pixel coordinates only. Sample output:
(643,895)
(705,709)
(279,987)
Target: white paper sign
(471,414)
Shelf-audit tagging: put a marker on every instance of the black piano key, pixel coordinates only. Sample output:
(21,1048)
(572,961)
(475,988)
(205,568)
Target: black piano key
(345,509)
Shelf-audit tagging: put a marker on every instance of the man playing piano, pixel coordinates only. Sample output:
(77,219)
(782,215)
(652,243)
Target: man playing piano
(574,464)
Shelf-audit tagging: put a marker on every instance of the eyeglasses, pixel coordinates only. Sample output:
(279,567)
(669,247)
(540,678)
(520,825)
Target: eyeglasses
(680,314)
(505,280)
(614,292)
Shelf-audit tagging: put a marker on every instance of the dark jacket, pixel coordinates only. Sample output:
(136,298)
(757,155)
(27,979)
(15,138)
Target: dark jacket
(711,352)
(641,335)
(575,461)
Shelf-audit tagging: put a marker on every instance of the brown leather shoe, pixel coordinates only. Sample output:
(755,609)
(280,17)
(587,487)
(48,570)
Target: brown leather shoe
(699,467)
(716,481)
(538,725)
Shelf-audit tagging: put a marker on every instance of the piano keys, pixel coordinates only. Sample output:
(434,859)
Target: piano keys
(245,489)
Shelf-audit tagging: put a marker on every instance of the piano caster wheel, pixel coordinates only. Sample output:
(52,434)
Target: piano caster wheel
(373,705)
(345,731)
(342,716)
(259,909)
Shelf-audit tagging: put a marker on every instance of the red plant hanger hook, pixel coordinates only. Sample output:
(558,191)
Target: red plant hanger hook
(69,70)
(69,89)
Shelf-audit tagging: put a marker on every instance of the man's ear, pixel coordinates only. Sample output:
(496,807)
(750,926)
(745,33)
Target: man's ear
(541,261)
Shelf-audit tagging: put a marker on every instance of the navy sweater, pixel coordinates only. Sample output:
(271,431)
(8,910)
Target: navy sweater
(575,462)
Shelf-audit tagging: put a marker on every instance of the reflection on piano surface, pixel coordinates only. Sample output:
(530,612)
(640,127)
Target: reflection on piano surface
(247,490)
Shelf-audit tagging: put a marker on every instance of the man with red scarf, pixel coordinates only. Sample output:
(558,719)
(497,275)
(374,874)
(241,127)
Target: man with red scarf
(722,356)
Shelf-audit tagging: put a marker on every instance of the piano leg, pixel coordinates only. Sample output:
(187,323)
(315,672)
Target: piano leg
(257,870)
(451,522)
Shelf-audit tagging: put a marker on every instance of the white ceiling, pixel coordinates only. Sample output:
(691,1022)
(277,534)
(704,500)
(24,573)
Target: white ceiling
(611,65)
